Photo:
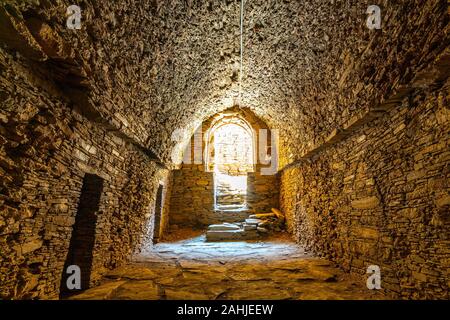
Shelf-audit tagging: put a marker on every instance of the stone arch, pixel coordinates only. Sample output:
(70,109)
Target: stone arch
(193,198)
(243,117)
(248,161)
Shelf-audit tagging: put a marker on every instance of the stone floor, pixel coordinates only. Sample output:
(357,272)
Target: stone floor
(194,269)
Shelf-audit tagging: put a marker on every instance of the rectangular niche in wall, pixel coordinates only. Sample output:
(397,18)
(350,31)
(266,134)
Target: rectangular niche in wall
(83,234)
(158,214)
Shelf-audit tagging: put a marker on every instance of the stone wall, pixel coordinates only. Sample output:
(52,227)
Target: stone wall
(115,91)
(166,181)
(192,199)
(381,197)
(46,148)
(192,202)
(263,191)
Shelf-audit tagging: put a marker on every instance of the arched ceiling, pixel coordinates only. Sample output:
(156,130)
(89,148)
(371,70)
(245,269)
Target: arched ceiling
(153,66)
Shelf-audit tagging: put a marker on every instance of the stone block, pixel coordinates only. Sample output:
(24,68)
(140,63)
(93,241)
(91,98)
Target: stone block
(248,227)
(213,235)
(29,246)
(262,230)
(223,227)
(367,233)
(366,203)
(253,221)
(419,276)
(442,201)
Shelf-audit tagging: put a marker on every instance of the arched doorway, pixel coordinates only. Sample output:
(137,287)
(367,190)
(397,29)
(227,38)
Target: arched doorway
(230,156)
(235,146)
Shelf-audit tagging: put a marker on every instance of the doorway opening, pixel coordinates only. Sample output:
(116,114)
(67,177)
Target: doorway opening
(158,214)
(231,157)
(230,192)
(83,234)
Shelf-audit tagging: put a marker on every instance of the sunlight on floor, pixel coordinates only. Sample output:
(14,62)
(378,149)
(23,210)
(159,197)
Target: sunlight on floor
(197,248)
(192,269)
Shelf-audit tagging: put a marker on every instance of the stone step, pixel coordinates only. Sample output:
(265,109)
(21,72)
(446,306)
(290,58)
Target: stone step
(249,226)
(220,235)
(253,221)
(223,227)
(262,230)
(248,230)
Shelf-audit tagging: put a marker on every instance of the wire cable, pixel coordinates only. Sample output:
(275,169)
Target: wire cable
(241,52)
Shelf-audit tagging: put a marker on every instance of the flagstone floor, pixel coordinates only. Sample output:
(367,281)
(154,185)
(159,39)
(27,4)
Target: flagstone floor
(192,269)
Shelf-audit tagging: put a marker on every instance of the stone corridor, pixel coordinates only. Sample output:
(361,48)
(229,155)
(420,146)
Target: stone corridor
(137,135)
(192,269)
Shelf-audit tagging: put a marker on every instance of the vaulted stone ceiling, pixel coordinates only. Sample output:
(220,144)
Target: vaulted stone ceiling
(149,67)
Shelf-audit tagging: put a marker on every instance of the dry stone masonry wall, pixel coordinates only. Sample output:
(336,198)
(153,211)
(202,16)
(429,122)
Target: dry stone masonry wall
(363,119)
(192,200)
(193,197)
(46,150)
(381,197)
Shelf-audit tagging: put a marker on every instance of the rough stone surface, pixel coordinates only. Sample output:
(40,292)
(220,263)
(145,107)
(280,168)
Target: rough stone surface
(46,150)
(195,269)
(192,202)
(377,198)
(363,118)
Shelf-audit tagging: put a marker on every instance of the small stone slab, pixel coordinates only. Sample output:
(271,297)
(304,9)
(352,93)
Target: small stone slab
(262,230)
(365,203)
(253,221)
(248,227)
(102,292)
(181,294)
(214,235)
(137,290)
(223,227)
(132,273)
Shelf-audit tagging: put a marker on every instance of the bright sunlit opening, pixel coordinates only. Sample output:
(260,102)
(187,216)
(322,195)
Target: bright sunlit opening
(233,158)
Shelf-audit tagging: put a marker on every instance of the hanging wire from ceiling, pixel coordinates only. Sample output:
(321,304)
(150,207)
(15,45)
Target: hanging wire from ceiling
(241,52)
